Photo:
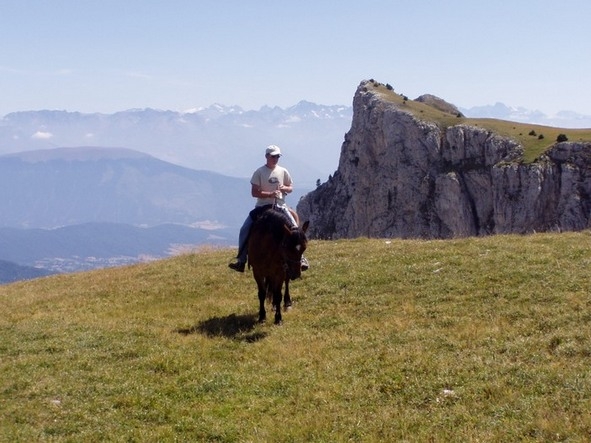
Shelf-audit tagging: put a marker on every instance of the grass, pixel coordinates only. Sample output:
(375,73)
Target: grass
(481,339)
(520,132)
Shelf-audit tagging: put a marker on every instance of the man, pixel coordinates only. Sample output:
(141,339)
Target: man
(269,185)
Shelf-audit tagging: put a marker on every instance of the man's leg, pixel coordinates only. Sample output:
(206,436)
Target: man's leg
(295,216)
(287,212)
(292,216)
(242,246)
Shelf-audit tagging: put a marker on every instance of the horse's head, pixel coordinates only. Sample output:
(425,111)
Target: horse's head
(294,245)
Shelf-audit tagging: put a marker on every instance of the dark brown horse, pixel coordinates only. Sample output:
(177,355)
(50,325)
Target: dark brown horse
(275,249)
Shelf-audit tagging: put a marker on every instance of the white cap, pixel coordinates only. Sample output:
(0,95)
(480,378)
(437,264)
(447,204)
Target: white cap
(273,150)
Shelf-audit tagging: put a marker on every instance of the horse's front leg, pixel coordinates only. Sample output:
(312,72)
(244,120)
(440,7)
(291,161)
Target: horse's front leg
(262,294)
(286,296)
(277,303)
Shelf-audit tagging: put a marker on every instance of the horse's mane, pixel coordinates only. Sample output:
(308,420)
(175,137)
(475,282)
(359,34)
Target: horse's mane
(274,221)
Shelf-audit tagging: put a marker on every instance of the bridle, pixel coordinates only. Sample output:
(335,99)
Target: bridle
(286,260)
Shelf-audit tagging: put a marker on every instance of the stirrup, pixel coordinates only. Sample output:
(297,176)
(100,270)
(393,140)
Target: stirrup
(304,264)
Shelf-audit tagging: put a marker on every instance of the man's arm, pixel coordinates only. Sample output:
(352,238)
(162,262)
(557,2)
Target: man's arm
(257,192)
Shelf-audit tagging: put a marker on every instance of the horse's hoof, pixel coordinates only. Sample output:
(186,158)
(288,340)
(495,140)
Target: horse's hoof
(262,319)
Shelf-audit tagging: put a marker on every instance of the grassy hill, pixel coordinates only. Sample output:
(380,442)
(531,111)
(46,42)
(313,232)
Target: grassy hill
(534,138)
(480,339)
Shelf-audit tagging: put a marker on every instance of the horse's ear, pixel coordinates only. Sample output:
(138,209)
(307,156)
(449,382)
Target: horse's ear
(306,224)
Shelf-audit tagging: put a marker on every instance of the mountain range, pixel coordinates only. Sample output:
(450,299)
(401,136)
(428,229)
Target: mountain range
(72,209)
(562,119)
(66,186)
(224,139)
(81,191)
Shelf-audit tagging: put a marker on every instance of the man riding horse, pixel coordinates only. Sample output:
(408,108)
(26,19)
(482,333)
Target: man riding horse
(270,184)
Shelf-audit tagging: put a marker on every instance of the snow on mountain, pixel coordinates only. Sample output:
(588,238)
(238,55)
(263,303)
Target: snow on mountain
(563,119)
(223,139)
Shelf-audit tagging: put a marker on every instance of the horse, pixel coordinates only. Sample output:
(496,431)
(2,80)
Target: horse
(275,249)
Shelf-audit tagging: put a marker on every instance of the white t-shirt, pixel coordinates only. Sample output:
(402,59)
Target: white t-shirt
(269,180)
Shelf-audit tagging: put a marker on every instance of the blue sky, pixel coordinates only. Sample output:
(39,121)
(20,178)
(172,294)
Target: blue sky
(111,55)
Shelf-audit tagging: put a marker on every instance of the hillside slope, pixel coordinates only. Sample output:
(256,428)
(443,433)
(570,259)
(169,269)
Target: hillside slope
(480,339)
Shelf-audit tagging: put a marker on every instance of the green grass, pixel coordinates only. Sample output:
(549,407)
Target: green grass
(480,339)
(520,132)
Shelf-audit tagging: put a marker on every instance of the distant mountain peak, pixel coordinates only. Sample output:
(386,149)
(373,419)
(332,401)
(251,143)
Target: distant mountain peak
(501,111)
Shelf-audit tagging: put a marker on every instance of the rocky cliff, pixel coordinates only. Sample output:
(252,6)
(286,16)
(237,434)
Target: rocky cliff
(408,176)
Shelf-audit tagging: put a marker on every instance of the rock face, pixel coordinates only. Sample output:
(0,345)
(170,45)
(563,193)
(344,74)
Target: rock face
(400,176)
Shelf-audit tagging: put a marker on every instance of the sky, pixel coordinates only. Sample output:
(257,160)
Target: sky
(112,55)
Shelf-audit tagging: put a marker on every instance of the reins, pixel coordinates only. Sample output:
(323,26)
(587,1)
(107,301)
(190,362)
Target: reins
(283,246)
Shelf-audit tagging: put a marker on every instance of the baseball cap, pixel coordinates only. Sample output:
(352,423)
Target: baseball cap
(273,150)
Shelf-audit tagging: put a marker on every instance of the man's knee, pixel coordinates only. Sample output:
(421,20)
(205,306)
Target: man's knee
(295,217)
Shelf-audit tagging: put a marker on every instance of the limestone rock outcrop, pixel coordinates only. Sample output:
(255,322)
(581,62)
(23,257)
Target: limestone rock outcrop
(406,177)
